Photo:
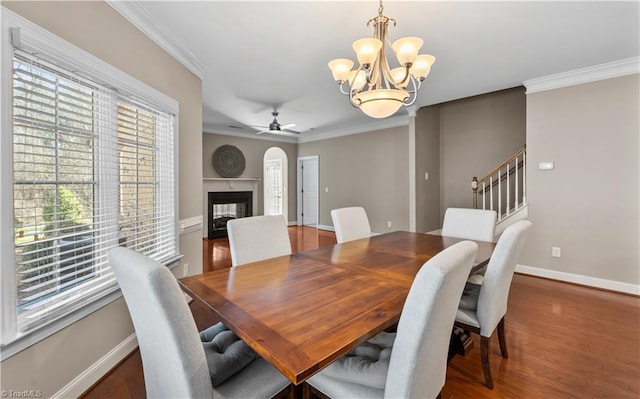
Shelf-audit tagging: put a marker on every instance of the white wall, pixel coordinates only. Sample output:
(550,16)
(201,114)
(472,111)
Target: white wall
(588,205)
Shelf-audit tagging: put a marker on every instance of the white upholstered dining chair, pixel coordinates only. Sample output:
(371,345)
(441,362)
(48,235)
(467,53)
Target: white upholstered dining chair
(470,224)
(173,356)
(411,363)
(256,238)
(482,311)
(350,223)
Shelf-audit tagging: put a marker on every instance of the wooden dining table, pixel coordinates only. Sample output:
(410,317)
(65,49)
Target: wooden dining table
(303,311)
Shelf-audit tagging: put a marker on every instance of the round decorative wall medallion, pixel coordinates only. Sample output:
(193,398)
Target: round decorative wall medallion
(228,161)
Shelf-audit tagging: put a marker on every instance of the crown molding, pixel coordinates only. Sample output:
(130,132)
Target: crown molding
(142,19)
(609,70)
(387,123)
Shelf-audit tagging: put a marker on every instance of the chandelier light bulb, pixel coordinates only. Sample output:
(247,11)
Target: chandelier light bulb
(406,49)
(422,65)
(357,80)
(340,68)
(367,50)
(400,77)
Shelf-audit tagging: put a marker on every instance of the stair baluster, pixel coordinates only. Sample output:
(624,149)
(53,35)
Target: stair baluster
(509,202)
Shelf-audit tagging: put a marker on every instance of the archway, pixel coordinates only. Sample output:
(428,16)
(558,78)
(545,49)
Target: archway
(276,182)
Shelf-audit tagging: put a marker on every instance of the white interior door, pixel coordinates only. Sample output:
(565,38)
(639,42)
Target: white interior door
(308,198)
(273,187)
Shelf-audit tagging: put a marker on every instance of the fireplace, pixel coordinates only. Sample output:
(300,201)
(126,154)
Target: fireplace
(224,206)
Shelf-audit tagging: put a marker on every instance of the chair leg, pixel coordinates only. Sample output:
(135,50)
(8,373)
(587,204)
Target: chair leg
(484,354)
(306,391)
(502,339)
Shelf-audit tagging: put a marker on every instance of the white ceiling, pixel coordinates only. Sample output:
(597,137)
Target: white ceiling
(257,56)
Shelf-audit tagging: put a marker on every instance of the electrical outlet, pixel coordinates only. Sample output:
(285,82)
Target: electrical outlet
(556,252)
(426,175)
(389,224)
(185,270)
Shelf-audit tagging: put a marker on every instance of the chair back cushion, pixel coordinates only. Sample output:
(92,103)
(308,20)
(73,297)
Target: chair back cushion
(173,359)
(350,223)
(493,296)
(258,238)
(418,363)
(470,224)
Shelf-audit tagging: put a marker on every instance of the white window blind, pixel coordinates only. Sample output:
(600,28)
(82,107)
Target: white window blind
(93,169)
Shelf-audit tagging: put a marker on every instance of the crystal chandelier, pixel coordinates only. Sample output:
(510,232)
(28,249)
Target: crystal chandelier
(374,87)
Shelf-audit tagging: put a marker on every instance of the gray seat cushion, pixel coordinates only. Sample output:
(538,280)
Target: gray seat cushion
(226,353)
(470,296)
(367,364)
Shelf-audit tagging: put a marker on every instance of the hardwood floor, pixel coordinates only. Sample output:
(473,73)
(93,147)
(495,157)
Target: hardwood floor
(565,341)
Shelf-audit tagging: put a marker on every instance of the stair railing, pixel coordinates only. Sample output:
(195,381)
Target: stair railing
(510,173)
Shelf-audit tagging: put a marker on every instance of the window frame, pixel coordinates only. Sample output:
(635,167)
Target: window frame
(31,37)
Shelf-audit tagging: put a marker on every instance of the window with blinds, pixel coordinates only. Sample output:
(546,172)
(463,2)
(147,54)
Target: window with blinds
(92,169)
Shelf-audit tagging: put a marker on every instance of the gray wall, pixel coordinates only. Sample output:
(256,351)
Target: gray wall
(588,204)
(253,150)
(367,169)
(476,134)
(100,30)
(428,161)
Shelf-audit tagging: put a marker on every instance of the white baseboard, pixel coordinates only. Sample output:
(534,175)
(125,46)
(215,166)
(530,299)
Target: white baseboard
(325,227)
(292,223)
(96,371)
(611,285)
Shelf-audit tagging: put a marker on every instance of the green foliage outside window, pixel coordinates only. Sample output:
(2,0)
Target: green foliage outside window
(66,208)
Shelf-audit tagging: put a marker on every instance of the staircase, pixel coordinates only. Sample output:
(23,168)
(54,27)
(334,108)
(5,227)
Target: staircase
(504,190)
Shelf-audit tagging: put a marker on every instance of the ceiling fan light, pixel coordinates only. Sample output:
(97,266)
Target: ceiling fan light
(340,68)
(367,50)
(422,66)
(380,103)
(406,49)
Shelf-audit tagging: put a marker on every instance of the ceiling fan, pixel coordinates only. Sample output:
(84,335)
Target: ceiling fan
(276,128)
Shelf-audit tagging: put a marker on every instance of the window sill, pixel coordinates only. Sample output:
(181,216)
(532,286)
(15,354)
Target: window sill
(23,340)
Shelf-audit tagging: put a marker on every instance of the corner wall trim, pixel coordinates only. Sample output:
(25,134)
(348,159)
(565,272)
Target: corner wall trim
(594,73)
(589,281)
(96,371)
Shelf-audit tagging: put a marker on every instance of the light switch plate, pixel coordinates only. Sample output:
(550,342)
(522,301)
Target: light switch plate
(545,165)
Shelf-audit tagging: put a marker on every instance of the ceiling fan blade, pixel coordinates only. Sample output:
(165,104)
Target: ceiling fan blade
(263,131)
(291,131)
(283,127)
